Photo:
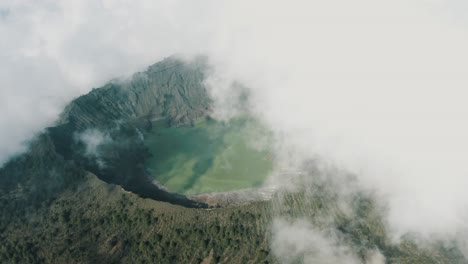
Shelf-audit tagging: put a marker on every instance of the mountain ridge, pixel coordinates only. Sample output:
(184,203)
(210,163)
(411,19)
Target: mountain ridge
(121,109)
(59,204)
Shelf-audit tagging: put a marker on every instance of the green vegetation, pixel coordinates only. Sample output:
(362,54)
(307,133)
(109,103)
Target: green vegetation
(209,156)
(98,222)
(59,205)
(102,223)
(360,227)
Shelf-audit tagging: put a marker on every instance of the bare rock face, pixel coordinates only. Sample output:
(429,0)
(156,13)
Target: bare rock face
(170,89)
(234,198)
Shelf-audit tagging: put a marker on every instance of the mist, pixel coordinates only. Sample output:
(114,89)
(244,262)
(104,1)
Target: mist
(377,88)
(52,52)
(374,87)
(93,139)
(300,242)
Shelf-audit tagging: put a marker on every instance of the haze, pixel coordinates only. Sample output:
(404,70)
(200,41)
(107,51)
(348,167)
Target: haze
(376,87)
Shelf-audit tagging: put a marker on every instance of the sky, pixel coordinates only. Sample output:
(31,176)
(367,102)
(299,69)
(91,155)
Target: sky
(375,87)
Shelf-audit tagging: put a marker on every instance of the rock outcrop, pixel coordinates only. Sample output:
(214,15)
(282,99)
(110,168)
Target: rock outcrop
(171,89)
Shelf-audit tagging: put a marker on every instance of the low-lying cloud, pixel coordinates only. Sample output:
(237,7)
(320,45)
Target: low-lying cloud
(376,87)
(93,140)
(53,51)
(299,242)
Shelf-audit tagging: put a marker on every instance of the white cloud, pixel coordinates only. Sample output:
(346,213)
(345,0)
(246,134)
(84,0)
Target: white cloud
(375,257)
(377,87)
(93,139)
(52,51)
(300,242)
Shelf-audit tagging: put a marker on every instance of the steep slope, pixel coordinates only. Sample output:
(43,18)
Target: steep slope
(71,201)
(101,223)
(96,222)
(170,89)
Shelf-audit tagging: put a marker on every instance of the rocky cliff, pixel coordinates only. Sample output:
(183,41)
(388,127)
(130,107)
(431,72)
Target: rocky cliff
(67,199)
(171,89)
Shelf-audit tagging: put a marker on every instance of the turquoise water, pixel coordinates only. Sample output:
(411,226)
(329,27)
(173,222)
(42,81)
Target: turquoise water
(211,156)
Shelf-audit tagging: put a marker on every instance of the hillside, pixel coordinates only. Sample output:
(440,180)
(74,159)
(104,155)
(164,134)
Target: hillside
(82,192)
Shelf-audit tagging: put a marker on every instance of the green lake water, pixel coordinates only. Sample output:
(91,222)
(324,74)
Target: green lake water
(210,156)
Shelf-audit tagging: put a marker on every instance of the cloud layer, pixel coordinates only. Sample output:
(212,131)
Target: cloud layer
(54,51)
(376,87)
